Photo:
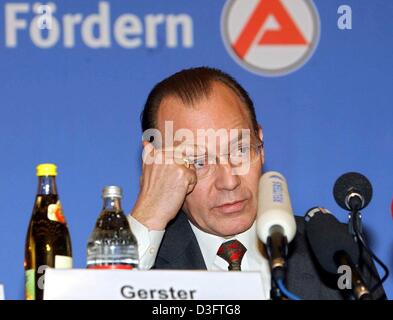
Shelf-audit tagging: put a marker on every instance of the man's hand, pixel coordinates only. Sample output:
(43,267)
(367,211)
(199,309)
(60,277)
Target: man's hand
(164,187)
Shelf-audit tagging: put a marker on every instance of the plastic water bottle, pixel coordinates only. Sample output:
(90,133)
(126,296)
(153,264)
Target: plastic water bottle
(112,244)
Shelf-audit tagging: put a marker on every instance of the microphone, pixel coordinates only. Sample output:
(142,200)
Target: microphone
(334,247)
(275,222)
(352,191)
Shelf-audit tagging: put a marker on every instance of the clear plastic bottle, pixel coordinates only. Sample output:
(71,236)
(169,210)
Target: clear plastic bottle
(112,244)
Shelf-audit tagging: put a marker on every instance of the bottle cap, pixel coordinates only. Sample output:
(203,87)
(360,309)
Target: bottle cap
(46,169)
(112,192)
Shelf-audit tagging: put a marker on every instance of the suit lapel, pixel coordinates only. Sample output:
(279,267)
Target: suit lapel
(179,248)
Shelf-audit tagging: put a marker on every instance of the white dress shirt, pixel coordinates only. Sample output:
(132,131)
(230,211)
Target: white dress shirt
(149,242)
(253,259)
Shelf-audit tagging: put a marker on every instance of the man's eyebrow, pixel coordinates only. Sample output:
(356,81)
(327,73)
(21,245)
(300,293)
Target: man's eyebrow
(239,138)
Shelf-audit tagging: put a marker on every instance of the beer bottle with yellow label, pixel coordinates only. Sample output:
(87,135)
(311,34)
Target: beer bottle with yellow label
(48,242)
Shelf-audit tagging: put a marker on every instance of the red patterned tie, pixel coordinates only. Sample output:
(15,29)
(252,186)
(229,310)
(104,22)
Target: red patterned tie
(232,252)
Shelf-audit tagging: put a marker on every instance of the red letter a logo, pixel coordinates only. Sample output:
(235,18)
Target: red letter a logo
(288,33)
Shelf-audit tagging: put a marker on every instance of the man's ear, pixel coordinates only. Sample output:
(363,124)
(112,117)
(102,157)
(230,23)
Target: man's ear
(260,135)
(145,143)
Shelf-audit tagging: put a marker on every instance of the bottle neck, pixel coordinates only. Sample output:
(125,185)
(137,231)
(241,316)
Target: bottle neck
(47,185)
(112,203)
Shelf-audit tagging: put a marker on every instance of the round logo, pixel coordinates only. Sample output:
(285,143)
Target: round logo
(270,37)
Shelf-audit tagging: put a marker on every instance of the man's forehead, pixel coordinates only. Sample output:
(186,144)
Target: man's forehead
(221,109)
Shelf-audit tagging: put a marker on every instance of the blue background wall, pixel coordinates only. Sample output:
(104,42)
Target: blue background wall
(79,108)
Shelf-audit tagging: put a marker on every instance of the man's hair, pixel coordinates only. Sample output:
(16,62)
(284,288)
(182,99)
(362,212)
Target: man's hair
(191,85)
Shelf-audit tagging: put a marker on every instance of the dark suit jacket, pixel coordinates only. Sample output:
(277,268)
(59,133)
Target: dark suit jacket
(179,250)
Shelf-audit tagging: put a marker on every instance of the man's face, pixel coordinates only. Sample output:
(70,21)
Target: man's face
(222,203)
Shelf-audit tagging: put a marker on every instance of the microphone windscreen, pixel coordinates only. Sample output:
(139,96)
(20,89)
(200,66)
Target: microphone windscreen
(327,236)
(352,182)
(274,207)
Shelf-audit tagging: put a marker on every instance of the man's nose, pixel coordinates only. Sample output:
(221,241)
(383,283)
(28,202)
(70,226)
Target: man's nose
(226,179)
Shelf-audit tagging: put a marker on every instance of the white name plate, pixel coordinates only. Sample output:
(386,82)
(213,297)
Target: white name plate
(83,284)
(1,292)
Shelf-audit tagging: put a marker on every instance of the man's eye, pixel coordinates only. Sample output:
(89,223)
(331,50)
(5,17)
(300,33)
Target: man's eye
(242,150)
(200,163)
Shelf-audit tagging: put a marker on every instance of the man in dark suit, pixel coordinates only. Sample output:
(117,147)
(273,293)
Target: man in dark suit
(196,209)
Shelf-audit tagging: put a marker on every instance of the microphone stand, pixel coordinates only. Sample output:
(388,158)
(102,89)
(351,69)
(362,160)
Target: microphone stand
(355,217)
(354,203)
(277,250)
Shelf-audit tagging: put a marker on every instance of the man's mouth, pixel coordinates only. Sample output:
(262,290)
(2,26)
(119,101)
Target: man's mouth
(232,207)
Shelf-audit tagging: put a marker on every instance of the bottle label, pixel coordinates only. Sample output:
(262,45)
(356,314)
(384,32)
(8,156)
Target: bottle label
(55,212)
(63,262)
(30,284)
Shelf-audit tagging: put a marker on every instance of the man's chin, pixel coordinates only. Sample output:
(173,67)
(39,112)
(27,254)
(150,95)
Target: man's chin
(234,228)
